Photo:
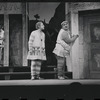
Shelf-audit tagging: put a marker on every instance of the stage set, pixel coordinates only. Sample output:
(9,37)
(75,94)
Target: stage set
(17,22)
(83,68)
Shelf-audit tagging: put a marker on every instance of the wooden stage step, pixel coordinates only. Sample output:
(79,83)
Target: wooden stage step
(18,73)
(49,82)
(50,89)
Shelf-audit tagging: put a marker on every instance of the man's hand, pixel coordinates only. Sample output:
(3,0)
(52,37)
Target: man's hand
(75,35)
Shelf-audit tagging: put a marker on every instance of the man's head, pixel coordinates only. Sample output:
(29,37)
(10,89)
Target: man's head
(40,25)
(65,25)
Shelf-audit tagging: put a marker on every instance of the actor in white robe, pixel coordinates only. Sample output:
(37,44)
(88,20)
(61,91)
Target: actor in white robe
(36,50)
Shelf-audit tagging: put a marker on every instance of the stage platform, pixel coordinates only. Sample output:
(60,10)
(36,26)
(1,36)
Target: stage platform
(50,89)
(48,82)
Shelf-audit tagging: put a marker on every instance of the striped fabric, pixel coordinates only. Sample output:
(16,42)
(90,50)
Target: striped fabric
(61,61)
(35,68)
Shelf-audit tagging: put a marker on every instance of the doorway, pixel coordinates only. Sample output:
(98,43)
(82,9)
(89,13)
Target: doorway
(89,21)
(15,40)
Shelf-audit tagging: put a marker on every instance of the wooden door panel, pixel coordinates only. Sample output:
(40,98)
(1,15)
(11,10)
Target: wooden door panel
(15,40)
(95,32)
(92,44)
(95,60)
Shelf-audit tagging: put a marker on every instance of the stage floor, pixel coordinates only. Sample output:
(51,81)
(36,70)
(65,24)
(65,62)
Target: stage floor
(48,82)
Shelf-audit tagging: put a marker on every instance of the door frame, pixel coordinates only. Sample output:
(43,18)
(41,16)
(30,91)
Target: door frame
(77,60)
(86,63)
(15,8)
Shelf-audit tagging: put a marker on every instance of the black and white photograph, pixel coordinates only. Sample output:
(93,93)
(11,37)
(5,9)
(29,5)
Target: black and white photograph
(49,50)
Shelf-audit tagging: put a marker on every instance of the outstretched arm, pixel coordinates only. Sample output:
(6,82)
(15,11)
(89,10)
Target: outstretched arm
(66,38)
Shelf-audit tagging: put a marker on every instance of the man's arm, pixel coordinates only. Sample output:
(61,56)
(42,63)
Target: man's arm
(66,38)
(31,40)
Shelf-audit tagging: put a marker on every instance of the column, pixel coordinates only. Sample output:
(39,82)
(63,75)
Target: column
(6,42)
(25,33)
(75,47)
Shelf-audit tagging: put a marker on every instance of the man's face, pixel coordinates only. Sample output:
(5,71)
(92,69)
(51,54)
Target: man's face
(65,26)
(42,26)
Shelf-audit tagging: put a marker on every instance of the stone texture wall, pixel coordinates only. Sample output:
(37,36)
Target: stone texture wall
(80,6)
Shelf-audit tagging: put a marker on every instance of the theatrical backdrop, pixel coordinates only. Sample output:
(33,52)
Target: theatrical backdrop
(18,20)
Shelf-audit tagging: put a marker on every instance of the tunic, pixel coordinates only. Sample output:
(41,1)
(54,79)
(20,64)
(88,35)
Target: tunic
(62,48)
(36,46)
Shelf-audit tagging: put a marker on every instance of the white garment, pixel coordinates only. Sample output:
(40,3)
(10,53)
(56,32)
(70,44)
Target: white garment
(37,46)
(61,49)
